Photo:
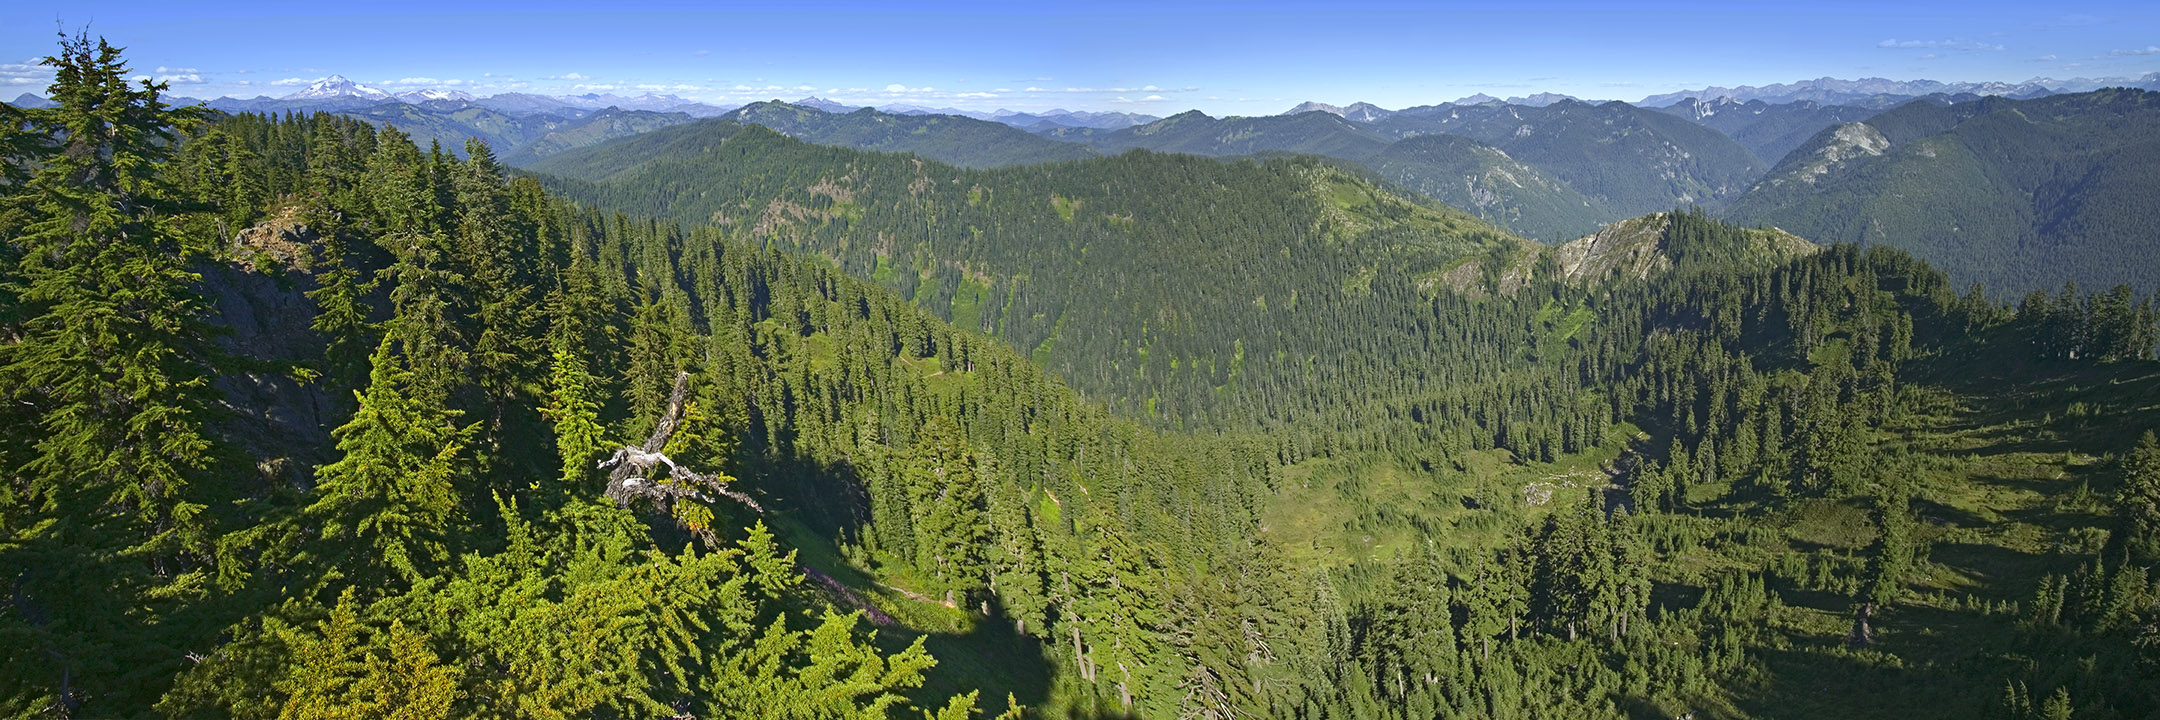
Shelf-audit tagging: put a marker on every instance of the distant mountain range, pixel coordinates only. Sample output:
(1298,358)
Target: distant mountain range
(2017,194)
(951,139)
(1768,130)
(1550,172)
(1883,93)
(339,94)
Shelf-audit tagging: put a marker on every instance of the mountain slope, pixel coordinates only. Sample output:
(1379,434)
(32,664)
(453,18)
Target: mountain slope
(1457,171)
(1770,131)
(451,123)
(591,129)
(951,139)
(1488,183)
(2016,194)
(1175,287)
(1633,160)
(1643,247)
(1314,133)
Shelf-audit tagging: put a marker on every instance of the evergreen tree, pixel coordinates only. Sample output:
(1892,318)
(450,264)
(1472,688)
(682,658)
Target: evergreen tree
(2140,497)
(579,439)
(387,506)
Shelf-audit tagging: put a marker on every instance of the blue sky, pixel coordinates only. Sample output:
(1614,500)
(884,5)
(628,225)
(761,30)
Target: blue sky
(1155,57)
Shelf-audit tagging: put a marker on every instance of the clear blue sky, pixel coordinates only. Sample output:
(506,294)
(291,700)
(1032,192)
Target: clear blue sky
(1155,57)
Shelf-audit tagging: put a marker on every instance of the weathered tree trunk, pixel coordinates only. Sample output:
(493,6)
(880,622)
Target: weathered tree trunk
(627,481)
(1862,635)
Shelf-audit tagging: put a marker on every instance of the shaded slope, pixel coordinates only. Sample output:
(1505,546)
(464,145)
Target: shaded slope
(1177,287)
(1490,184)
(2018,195)
(1631,159)
(1769,131)
(950,139)
(1315,133)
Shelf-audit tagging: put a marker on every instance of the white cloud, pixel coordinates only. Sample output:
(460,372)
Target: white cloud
(976,95)
(568,76)
(595,88)
(177,79)
(27,72)
(1897,44)
(896,87)
(2046,58)
(1151,98)
(2149,50)
(289,82)
(162,70)
(1150,88)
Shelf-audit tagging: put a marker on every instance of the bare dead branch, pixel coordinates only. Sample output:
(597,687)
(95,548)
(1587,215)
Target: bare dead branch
(633,464)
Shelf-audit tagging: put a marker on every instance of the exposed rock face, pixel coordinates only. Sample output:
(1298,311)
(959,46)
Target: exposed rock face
(1627,248)
(1845,142)
(1635,248)
(259,297)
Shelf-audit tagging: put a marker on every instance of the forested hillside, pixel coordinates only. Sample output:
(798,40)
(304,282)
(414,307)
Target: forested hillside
(1771,131)
(2018,194)
(520,138)
(307,421)
(950,139)
(1180,289)
(1632,159)
(1488,183)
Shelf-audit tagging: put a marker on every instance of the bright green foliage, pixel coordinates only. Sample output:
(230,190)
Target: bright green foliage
(111,345)
(579,439)
(107,506)
(1770,404)
(341,668)
(387,506)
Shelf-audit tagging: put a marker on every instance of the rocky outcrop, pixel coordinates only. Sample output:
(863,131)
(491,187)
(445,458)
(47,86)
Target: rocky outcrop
(257,295)
(1635,248)
(1629,248)
(1832,150)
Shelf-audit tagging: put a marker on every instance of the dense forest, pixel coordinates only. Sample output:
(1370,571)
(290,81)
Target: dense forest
(2021,195)
(307,420)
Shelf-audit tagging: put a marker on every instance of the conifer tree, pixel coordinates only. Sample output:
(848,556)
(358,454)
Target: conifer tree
(112,347)
(341,317)
(573,407)
(387,505)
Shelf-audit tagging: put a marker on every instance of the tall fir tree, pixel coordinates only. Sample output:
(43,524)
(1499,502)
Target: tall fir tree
(387,506)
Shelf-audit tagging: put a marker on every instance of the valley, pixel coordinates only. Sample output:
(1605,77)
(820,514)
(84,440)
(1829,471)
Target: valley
(1824,399)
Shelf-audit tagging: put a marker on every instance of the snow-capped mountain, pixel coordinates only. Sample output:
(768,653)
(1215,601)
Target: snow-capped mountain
(336,86)
(421,96)
(1363,112)
(1831,91)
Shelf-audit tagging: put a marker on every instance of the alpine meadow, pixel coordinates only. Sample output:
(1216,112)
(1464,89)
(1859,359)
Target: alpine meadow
(560,366)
